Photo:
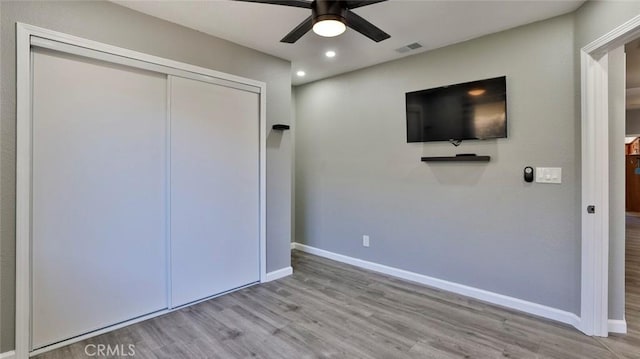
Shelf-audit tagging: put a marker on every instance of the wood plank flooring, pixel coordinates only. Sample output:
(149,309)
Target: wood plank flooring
(331,310)
(629,345)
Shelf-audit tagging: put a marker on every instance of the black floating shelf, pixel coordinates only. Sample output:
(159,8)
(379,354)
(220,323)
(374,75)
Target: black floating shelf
(457,159)
(280,127)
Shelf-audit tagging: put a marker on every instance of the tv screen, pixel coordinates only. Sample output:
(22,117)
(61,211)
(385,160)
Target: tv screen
(469,111)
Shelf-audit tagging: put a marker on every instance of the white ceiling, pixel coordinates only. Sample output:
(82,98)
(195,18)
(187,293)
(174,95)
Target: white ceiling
(431,23)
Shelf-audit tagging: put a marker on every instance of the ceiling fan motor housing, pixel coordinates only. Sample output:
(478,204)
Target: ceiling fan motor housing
(328,10)
(329,18)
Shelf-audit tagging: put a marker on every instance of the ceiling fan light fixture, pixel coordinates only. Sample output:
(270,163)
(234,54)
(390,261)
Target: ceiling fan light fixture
(329,18)
(329,27)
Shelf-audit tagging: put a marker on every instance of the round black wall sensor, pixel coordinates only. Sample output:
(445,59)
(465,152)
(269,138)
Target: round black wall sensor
(528,174)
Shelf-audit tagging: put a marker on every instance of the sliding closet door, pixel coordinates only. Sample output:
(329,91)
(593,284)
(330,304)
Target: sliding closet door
(99,195)
(214,189)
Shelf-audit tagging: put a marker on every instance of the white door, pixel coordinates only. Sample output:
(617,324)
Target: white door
(214,189)
(99,195)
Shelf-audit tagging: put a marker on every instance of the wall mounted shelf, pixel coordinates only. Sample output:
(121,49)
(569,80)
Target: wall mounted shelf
(466,158)
(280,127)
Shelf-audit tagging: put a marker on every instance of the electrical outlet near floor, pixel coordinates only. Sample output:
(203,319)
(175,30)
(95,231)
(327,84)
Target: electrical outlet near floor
(365,241)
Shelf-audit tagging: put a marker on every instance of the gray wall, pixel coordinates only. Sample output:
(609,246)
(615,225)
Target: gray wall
(116,25)
(293,162)
(6,261)
(476,224)
(594,19)
(633,122)
(617,180)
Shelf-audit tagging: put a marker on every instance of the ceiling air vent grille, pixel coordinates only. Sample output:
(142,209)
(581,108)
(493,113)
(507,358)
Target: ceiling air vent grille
(409,47)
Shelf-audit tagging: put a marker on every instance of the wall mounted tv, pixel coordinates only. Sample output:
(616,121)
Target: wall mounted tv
(468,111)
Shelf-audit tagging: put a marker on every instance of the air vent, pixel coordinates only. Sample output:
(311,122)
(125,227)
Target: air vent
(409,47)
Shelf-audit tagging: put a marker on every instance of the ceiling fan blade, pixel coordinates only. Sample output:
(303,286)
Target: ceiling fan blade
(364,27)
(296,3)
(352,4)
(299,31)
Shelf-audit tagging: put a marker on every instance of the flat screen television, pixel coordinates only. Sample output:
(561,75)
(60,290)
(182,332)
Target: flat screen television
(474,110)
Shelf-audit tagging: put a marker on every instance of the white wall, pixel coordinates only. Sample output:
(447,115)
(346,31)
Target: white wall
(471,223)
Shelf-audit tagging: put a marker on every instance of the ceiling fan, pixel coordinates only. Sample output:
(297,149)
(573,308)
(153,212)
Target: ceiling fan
(330,18)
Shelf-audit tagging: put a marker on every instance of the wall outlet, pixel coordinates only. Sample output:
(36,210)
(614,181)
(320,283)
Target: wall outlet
(365,241)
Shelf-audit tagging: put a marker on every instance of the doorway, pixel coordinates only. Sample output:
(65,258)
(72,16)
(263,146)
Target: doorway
(632,186)
(596,187)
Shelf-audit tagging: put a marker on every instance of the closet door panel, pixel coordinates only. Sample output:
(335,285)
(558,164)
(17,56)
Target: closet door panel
(214,189)
(99,195)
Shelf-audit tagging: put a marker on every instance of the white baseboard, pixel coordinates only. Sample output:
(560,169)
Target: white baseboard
(277,274)
(494,298)
(8,355)
(617,326)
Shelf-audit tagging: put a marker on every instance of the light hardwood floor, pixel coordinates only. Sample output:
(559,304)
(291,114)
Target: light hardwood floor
(331,310)
(628,346)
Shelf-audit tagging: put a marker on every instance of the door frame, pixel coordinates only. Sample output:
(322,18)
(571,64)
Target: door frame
(28,36)
(594,311)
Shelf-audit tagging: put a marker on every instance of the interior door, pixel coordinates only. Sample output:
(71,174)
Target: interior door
(99,195)
(214,189)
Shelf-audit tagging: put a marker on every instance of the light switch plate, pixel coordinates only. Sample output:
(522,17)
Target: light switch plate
(548,175)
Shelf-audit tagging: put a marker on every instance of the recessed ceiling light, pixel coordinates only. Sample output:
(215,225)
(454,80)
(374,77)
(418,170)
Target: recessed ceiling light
(330,53)
(301,73)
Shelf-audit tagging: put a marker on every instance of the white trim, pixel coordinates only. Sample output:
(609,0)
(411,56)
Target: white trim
(168,254)
(263,182)
(614,38)
(280,273)
(23,192)
(595,179)
(8,355)
(24,34)
(131,62)
(476,293)
(617,326)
